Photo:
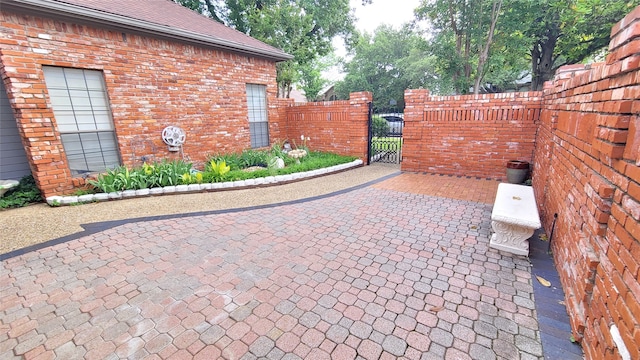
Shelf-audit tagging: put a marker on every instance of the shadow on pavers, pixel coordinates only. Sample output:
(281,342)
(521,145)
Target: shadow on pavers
(555,329)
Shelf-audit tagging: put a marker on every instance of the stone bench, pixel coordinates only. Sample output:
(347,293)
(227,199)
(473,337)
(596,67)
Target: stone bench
(514,218)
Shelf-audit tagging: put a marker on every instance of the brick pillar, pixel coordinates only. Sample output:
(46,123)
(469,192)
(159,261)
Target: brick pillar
(412,150)
(358,127)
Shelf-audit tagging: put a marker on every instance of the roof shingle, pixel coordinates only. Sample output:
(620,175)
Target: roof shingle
(167,13)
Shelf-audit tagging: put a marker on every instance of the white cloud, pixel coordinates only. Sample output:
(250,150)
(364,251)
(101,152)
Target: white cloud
(390,12)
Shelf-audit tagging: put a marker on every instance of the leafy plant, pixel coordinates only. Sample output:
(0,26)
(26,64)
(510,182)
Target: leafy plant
(192,178)
(277,149)
(106,181)
(216,170)
(25,193)
(232,160)
(380,126)
(250,158)
(186,179)
(84,191)
(167,173)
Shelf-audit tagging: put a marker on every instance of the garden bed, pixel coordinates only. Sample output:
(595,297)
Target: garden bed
(202,187)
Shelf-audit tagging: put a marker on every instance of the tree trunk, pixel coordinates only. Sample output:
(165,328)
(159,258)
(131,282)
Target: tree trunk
(484,54)
(466,9)
(284,89)
(542,60)
(467,62)
(458,34)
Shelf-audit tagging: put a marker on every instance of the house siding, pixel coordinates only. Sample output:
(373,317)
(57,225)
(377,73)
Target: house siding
(151,84)
(13,160)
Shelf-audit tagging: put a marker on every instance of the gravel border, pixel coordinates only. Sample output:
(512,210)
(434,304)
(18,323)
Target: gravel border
(23,227)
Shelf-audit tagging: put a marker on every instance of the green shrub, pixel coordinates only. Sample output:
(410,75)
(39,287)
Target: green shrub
(232,160)
(216,171)
(250,158)
(218,168)
(25,193)
(166,173)
(380,126)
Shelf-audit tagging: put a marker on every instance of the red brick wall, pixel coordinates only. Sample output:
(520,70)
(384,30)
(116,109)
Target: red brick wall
(151,84)
(473,135)
(340,127)
(278,125)
(587,170)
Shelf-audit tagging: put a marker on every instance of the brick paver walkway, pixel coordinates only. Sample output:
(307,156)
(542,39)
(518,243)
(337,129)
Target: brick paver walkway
(372,273)
(452,187)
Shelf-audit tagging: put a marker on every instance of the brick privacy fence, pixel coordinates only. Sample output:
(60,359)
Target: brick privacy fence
(151,84)
(587,170)
(472,135)
(339,127)
(583,135)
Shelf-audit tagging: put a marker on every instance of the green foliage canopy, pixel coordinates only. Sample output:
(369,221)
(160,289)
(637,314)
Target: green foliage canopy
(380,126)
(545,33)
(302,28)
(386,64)
(560,32)
(531,37)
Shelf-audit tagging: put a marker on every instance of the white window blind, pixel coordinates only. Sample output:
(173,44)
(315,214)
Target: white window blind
(81,108)
(258,122)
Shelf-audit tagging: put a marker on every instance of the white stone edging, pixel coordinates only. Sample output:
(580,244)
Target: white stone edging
(88,198)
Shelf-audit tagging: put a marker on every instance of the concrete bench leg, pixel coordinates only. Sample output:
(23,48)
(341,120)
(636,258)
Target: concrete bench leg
(511,238)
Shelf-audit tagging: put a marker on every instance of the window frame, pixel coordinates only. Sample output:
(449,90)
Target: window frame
(258,115)
(84,121)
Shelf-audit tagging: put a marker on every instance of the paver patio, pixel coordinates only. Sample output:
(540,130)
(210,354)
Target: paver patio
(371,273)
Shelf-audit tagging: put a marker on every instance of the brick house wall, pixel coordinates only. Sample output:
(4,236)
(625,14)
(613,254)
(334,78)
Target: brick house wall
(151,84)
(587,171)
(471,135)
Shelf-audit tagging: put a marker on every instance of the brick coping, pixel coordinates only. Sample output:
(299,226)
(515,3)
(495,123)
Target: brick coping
(183,189)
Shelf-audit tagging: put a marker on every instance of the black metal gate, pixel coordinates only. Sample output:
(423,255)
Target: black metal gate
(385,137)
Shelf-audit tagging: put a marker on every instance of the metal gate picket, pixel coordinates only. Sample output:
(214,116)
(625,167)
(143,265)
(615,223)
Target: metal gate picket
(388,147)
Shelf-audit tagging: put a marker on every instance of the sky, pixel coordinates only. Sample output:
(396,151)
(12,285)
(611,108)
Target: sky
(392,12)
(369,17)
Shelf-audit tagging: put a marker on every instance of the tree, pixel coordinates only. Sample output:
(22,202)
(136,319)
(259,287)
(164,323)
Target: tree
(386,64)
(205,7)
(302,28)
(464,32)
(311,81)
(487,40)
(484,48)
(567,31)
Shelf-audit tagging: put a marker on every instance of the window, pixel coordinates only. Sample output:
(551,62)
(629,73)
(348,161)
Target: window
(258,124)
(81,108)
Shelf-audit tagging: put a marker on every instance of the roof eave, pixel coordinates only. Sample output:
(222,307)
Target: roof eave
(65,11)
